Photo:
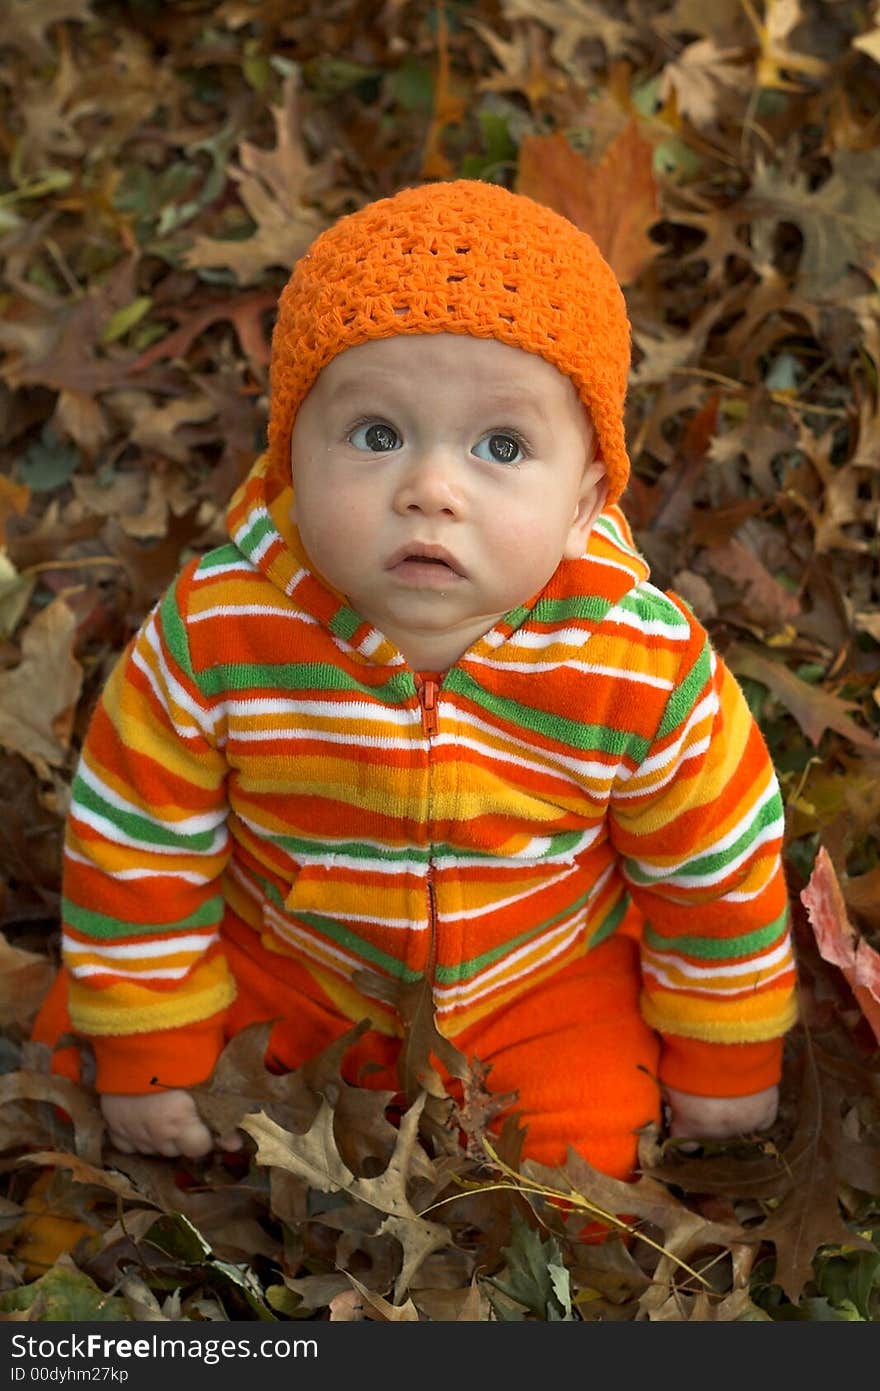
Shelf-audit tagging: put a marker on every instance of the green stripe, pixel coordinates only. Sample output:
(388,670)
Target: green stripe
(514,617)
(561,842)
(308,679)
(345,623)
(653,606)
(258,529)
(138,827)
(720,948)
(591,607)
(220,555)
(100,925)
(466,970)
(344,937)
(610,922)
(685,696)
(298,847)
(715,864)
(174,633)
(553,726)
(611,530)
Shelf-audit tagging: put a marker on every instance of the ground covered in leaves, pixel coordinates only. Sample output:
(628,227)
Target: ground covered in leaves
(164,166)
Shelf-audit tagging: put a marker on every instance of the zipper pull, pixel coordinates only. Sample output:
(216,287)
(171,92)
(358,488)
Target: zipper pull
(428,699)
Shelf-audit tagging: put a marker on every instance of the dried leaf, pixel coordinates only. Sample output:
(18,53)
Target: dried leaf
(815,709)
(274,186)
(38,697)
(25,976)
(839,942)
(616,200)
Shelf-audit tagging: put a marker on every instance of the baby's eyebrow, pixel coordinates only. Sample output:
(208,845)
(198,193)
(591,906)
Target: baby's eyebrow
(360,381)
(502,398)
(507,400)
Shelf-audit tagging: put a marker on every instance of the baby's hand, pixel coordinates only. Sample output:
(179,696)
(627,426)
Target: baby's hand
(160,1123)
(718,1117)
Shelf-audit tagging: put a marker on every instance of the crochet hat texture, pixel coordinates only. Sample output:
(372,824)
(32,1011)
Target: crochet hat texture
(457,257)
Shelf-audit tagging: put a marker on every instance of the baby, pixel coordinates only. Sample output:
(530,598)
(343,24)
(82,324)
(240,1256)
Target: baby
(425,719)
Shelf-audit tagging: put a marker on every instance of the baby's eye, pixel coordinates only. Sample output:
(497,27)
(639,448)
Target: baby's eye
(503,448)
(373,435)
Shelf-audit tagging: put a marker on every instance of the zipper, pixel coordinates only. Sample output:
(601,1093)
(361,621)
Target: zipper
(428,692)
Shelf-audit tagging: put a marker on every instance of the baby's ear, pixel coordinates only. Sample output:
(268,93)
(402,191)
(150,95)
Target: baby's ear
(591,500)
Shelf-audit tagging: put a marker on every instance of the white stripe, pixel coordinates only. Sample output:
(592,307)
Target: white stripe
(371,642)
(295,580)
(325,855)
(241,537)
(662,683)
(323,709)
(554,762)
(226,610)
(664,980)
(204,718)
(656,960)
(166,973)
(191,942)
(242,566)
(291,932)
(651,627)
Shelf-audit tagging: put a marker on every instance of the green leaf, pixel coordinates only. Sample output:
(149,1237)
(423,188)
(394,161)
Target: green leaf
(851,1281)
(499,147)
(48,464)
(534,1276)
(177,1237)
(118,325)
(412,85)
(66,1295)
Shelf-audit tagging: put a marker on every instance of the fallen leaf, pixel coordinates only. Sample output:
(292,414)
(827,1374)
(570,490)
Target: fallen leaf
(839,942)
(274,186)
(38,697)
(25,976)
(615,201)
(816,710)
(702,77)
(23,23)
(575,23)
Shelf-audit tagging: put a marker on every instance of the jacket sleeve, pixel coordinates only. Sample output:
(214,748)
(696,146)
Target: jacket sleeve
(698,828)
(146,842)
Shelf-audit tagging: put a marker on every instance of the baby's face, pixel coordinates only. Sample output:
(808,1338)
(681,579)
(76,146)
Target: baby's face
(438,481)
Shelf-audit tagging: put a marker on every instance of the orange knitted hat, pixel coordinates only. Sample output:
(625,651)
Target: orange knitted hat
(458,257)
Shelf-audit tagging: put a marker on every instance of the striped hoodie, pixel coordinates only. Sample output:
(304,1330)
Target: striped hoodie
(263,759)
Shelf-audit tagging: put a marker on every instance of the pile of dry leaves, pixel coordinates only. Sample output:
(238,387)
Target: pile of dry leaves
(165,164)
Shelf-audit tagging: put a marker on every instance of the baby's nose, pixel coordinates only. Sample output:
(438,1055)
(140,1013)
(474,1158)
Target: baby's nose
(430,485)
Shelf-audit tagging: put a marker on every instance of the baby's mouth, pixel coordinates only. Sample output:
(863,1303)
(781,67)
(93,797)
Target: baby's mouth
(430,563)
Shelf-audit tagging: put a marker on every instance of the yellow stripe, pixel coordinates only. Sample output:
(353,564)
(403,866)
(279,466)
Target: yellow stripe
(127,1008)
(764,1016)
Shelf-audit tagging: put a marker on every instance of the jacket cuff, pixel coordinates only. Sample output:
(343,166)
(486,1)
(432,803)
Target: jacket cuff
(150,1062)
(719,1069)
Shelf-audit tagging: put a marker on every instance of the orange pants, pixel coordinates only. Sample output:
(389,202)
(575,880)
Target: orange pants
(575,1047)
